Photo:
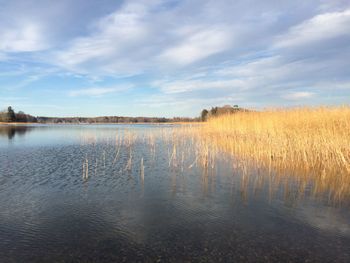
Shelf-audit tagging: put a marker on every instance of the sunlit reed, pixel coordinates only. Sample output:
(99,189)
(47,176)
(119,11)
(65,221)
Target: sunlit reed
(312,145)
(307,149)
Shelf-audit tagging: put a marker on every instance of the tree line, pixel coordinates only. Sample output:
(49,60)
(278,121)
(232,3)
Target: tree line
(217,111)
(113,119)
(9,115)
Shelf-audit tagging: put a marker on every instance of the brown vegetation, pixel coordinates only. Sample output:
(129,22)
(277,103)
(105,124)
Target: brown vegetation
(310,144)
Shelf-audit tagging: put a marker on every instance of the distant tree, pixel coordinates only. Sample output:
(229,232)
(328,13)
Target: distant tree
(21,117)
(3,116)
(11,114)
(217,111)
(204,115)
(213,111)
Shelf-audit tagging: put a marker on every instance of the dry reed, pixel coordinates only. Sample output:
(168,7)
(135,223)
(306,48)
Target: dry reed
(310,144)
(303,148)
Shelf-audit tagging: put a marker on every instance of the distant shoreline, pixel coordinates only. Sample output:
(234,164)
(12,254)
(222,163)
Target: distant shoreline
(10,117)
(17,123)
(98,123)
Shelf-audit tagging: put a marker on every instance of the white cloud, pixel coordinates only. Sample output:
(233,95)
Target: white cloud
(198,45)
(141,36)
(26,37)
(108,46)
(298,95)
(179,86)
(97,91)
(265,80)
(281,72)
(319,28)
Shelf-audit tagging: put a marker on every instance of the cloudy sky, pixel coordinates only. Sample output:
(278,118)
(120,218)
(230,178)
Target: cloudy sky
(171,58)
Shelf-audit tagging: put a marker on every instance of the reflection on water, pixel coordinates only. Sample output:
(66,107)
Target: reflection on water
(11,131)
(129,193)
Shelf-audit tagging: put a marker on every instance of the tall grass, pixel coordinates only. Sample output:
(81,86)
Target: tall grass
(301,150)
(309,143)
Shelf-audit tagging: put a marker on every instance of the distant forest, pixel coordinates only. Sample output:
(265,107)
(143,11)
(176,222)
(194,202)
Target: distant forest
(9,115)
(113,119)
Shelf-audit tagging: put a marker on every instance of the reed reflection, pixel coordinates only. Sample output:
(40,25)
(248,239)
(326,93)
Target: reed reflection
(131,152)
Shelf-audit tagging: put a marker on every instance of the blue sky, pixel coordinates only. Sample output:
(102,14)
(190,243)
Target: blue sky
(171,58)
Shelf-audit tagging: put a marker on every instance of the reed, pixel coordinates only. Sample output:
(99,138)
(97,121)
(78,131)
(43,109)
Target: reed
(307,149)
(129,163)
(86,169)
(312,144)
(142,172)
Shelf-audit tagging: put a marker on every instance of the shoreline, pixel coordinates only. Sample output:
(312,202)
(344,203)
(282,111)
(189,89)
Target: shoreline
(100,123)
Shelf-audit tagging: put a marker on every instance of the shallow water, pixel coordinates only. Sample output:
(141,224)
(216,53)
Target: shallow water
(76,194)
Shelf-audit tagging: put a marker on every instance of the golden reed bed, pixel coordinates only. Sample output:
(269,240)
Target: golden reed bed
(297,151)
(311,145)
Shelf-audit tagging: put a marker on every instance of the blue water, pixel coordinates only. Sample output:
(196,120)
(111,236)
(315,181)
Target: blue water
(67,195)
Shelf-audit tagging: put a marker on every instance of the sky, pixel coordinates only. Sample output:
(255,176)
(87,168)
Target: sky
(172,58)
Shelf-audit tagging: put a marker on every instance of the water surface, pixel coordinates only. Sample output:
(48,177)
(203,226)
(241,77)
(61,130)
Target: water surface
(114,193)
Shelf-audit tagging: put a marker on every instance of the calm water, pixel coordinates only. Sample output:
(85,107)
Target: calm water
(76,194)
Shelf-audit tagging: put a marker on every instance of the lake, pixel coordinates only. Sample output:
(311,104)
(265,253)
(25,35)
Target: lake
(127,193)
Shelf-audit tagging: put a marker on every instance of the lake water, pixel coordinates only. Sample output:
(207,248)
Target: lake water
(117,193)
